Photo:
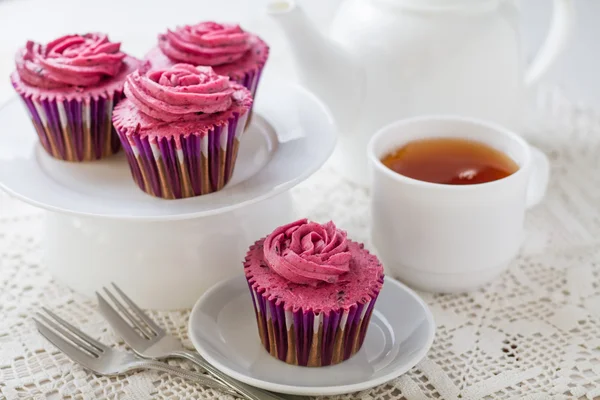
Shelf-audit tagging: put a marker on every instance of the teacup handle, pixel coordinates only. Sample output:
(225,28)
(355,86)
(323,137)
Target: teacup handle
(538,182)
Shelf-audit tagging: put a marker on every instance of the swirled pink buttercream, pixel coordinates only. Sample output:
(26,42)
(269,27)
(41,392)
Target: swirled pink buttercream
(206,43)
(72,60)
(178,93)
(307,252)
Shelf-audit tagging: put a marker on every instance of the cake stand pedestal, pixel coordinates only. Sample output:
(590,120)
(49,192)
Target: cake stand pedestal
(161,264)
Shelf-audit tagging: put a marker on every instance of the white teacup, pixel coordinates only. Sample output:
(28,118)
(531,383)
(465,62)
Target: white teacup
(450,238)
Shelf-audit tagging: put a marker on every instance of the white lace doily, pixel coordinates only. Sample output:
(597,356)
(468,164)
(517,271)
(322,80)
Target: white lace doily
(534,333)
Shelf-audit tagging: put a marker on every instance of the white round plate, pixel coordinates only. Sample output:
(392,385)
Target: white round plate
(222,327)
(290,137)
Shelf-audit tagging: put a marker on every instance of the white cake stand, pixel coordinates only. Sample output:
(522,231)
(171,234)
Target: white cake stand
(101,228)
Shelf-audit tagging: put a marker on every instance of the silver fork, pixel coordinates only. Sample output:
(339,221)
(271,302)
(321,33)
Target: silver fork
(104,360)
(149,340)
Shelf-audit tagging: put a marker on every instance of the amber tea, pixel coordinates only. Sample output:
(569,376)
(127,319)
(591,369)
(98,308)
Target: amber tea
(450,161)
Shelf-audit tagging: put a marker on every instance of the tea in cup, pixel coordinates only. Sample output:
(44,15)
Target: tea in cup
(449,196)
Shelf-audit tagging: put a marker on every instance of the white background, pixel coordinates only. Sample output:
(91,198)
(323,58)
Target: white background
(136,23)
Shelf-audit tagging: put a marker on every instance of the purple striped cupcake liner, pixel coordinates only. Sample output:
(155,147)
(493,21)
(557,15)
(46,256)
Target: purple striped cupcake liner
(76,129)
(187,165)
(250,81)
(307,338)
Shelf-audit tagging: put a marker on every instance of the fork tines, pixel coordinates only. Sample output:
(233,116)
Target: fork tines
(77,345)
(133,313)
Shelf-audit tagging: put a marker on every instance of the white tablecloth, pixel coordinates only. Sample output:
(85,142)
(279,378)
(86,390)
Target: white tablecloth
(534,333)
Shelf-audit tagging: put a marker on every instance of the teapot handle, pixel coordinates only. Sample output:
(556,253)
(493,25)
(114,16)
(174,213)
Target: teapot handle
(563,16)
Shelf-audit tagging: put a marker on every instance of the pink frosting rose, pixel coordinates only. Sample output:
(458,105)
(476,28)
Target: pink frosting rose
(72,60)
(206,43)
(307,252)
(178,93)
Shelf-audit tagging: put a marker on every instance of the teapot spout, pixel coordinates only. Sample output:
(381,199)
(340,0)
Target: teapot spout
(323,66)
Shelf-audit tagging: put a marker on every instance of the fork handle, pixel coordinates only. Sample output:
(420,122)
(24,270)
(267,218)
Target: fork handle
(183,373)
(249,392)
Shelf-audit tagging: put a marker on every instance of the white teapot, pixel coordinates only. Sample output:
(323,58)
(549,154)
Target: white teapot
(389,59)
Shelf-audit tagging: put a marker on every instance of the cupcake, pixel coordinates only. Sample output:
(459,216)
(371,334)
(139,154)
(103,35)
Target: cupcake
(180,127)
(70,87)
(313,291)
(226,47)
